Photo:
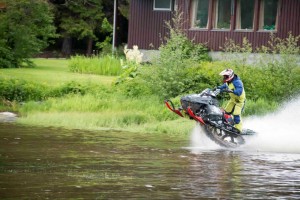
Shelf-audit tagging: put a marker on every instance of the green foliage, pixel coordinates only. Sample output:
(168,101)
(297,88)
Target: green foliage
(167,76)
(7,59)
(69,88)
(103,65)
(271,82)
(81,18)
(106,27)
(21,91)
(275,74)
(105,46)
(92,105)
(130,70)
(237,54)
(134,87)
(260,107)
(116,109)
(25,28)
(176,56)
(178,47)
(18,90)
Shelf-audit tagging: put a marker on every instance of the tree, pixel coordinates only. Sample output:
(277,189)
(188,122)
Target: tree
(123,7)
(25,28)
(79,19)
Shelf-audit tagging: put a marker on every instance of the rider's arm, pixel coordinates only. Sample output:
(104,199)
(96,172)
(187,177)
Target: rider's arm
(238,85)
(222,87)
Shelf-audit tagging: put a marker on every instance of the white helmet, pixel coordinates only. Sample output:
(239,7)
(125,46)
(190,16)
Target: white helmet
(227,74)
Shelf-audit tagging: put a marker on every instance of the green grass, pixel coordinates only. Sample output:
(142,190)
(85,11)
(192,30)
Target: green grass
(102,107)
(107,121)
(103,65)
(53,72)
(105,110)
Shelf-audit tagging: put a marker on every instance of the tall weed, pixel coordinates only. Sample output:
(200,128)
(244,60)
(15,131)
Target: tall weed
(103,65)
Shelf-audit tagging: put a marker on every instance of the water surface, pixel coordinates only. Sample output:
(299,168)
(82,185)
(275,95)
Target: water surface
(41,163)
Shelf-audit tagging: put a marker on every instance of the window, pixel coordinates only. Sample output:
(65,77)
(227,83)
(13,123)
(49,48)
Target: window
(200,13)
(222,12)
(162,5)
(268,15)
(244,14)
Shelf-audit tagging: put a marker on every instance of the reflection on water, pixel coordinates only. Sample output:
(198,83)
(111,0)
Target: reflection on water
(39,163)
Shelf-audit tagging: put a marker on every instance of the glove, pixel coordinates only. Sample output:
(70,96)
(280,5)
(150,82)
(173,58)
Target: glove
(228,90)
(217,91)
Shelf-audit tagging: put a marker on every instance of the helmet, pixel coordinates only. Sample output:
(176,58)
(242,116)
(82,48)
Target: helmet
(227,74)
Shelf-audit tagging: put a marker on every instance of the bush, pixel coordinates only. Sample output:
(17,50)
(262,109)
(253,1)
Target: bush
(168,75)
(259,107)
(21,91)
(68,88)
(16,90)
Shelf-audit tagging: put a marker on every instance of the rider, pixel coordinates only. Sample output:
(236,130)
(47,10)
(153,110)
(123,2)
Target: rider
(235,106)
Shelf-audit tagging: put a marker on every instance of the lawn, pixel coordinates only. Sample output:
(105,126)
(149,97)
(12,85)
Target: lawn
(53,72)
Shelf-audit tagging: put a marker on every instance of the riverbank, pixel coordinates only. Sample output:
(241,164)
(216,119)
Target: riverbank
(89,102)
(50,95)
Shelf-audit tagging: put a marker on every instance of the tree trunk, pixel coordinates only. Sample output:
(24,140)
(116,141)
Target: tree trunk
(89,46)
(67,46)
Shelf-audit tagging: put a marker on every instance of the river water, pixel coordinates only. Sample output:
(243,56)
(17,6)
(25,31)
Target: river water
(53,163)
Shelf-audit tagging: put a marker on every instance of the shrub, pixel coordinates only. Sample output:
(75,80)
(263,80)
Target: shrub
(169,73)
(16,90)
(275,74)
(259,107)
(21,91)
(68,88)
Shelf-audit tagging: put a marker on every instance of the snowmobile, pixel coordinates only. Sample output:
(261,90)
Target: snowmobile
(218,125)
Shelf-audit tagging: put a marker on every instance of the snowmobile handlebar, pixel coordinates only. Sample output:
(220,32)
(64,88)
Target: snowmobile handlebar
(217,91)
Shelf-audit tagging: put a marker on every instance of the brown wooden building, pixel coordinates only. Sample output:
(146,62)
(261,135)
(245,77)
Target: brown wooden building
(212,21)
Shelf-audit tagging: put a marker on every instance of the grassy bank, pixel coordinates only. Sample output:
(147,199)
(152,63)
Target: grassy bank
(102,106)
(51,95)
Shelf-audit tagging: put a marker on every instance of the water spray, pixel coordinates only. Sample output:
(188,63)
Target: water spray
(277,132)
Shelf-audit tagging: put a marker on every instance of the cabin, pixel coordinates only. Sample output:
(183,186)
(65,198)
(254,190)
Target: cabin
(213,21)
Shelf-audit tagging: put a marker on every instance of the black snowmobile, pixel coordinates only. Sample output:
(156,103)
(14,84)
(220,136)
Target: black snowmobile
(218,125)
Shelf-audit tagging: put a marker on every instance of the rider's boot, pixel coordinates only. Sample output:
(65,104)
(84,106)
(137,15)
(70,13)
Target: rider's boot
(239,126)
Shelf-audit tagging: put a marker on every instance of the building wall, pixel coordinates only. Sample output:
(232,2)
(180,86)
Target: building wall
(147,27)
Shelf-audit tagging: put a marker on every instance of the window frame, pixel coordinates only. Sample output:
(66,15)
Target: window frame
(194,8)
(261,17)
(238,17)
(215,13)
(163,9)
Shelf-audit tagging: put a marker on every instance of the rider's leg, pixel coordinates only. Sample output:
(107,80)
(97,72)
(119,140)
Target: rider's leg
(237,116)
(238,122)
(229,107)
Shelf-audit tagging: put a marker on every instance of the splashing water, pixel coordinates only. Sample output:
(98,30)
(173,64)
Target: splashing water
(277,132)
(199,141)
